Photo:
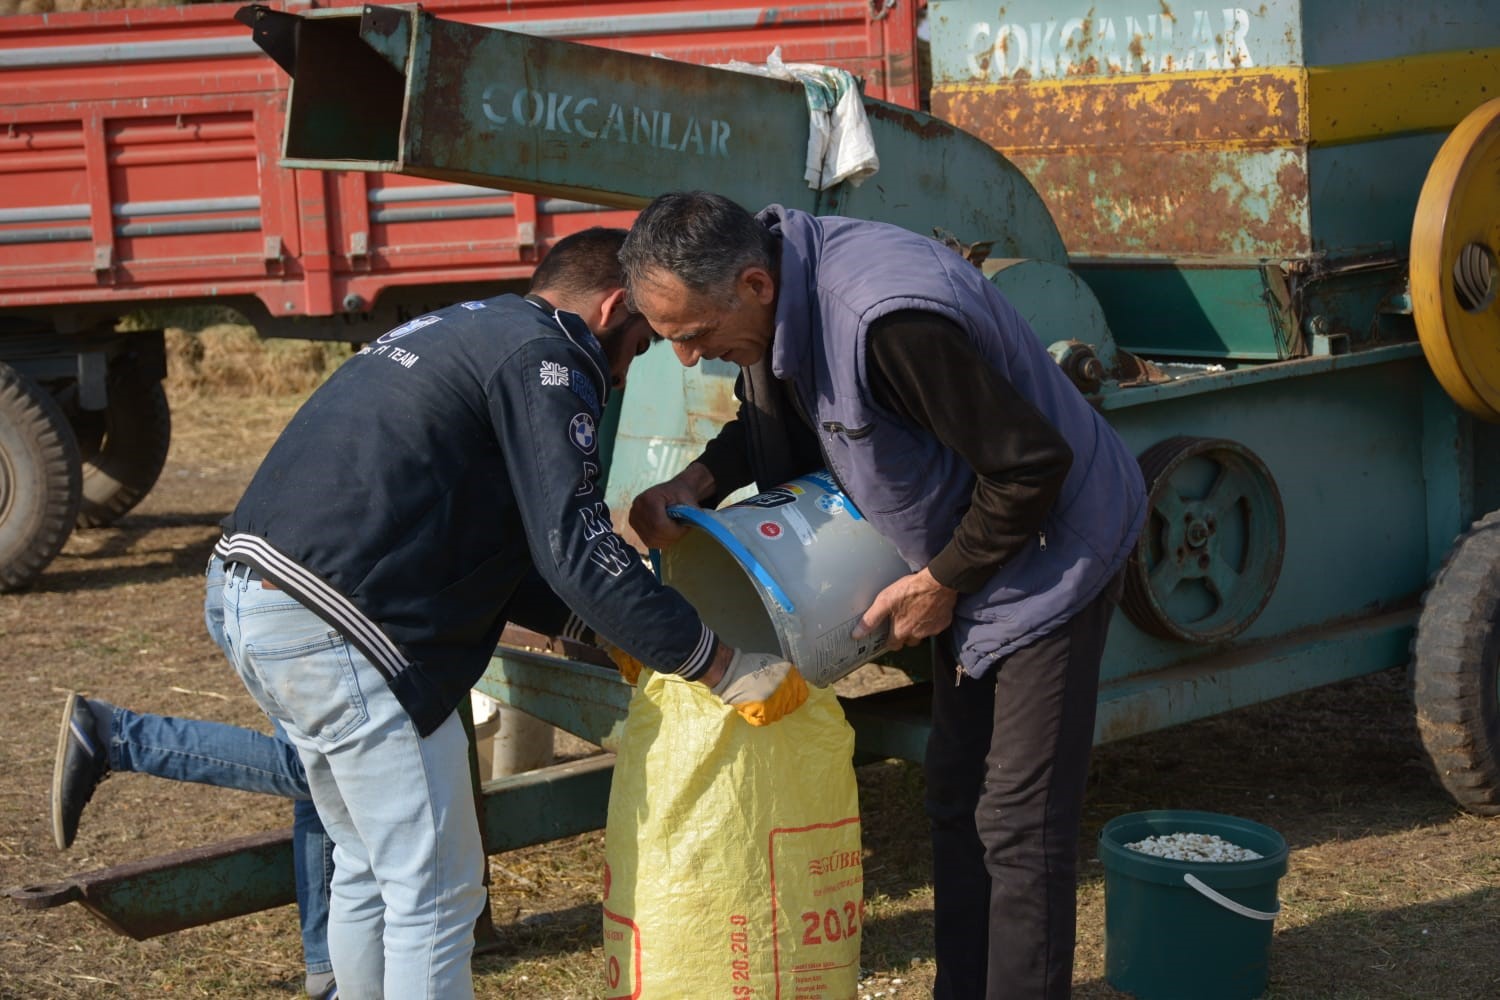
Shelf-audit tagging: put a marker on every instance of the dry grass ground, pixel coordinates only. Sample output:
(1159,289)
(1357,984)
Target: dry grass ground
(1391,892)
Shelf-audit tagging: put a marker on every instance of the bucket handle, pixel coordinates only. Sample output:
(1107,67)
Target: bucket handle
(1198,886)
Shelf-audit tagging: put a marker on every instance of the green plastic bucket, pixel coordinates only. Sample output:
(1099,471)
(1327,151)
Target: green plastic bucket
(1189,930)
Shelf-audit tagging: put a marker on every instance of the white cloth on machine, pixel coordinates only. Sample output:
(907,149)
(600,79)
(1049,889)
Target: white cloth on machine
(840,145)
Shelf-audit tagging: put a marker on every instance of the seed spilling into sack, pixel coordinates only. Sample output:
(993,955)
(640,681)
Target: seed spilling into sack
(1193,847)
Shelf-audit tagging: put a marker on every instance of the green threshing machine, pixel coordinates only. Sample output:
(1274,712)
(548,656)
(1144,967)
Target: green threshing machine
(1263,241)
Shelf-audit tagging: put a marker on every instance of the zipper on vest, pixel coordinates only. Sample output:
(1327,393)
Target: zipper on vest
(958,674)
(1041,537)
(853,433)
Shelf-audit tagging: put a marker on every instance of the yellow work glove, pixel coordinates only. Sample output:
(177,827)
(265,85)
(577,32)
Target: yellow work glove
(630,667)
(761,687)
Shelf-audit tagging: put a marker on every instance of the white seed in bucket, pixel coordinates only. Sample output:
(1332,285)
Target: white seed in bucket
(1203,847)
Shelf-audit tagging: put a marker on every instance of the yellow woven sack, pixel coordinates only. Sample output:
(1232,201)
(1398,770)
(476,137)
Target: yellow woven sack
(732,852)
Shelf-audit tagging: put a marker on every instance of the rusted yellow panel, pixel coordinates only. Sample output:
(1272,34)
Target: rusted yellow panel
(1193,165)
(1422,93)
(1247,109)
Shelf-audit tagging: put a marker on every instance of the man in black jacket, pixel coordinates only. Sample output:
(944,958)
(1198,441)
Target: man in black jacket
(380,549)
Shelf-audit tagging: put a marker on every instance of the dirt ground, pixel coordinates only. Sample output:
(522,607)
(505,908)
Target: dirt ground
(1391,891)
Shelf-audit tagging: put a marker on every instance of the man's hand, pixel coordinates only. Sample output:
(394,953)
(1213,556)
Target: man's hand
(648,515)
(761,687)
(917,605)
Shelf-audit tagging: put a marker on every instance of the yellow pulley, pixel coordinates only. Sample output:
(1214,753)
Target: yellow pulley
(1455,263)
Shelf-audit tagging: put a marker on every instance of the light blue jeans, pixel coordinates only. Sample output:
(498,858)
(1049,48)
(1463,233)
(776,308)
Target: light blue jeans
(407,859)
(212,753)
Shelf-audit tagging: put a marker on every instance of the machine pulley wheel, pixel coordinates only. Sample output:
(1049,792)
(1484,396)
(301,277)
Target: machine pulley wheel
(1455,670)
(40,479)
(1210,552)
(1455,263)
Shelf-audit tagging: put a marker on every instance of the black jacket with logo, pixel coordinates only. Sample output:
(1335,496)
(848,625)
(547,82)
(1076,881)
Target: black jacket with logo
(415,490)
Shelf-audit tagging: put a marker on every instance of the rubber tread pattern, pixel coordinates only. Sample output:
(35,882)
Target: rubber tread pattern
(1454,667)
(47,480)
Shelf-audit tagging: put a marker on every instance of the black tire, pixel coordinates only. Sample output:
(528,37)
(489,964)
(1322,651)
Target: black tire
(124,446)
(1455,660)
(41,480)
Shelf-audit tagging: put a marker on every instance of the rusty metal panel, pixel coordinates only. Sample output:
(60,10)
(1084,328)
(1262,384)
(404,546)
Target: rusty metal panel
(1254,109)
(1174,130)
(1198,166)
(1168,133)
(1168,204)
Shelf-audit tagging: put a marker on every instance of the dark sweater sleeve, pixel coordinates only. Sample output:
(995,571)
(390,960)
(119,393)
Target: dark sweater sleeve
(923,368)
(727,456)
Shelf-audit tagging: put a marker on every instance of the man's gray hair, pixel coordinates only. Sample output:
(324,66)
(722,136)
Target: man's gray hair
(702,239)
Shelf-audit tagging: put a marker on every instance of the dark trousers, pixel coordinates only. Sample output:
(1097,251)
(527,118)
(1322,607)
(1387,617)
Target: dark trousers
(1006,765)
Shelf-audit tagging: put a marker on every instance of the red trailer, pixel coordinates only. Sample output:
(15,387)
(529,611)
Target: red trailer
(138,167)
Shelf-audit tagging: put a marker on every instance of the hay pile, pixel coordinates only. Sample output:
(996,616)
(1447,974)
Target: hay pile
(230,359)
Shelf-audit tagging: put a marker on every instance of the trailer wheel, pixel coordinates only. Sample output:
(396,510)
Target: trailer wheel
(124,446)
(40,479)
(1454,667)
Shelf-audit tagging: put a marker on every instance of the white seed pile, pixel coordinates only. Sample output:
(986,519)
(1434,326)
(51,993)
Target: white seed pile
(1193,847)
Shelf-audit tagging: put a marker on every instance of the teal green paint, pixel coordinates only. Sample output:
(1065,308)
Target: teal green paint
(1056,303)
(609,429)
(1344,446)
(582,699)
(1217,682)
(1486,464)
(1243,313)
(1158,308)
(161,895)
(1447,447)
(1211,382)
(1346,31)
(1364,195)
(388,32)
(1365,302)
(668,415)
(543,805)
(142,901)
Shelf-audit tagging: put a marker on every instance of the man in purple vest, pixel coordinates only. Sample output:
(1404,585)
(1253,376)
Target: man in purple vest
(888,359)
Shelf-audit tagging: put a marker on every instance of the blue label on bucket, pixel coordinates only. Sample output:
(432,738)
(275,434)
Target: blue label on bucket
(825,482)
(703,519)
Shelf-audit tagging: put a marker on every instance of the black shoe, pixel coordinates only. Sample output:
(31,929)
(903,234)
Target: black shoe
(82,762)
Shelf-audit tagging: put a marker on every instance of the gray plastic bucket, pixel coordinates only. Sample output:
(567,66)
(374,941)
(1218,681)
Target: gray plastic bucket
(789,570)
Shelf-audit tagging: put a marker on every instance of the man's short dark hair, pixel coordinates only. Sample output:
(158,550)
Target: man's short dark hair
(587,261)
(703,239)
